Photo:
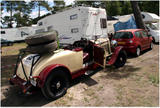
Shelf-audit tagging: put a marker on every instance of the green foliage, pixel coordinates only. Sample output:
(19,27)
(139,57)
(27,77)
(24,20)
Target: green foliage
(40,4)
(126,8)
(154,79)
(21,17)
(114,8)
(58,5)
(20,10)
(149,6)
(87,3)
(10,6)
(22,20)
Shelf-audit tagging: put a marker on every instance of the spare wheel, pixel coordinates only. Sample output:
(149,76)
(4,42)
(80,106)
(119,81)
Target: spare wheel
(42,48)
(41,38)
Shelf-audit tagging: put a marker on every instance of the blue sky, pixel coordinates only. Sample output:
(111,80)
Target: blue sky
(34,13)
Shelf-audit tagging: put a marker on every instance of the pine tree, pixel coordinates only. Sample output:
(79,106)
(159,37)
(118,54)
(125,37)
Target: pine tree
(10,6)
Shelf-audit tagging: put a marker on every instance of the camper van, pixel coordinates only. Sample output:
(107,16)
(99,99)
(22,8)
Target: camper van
(151,21)
(76,23)
(17,34)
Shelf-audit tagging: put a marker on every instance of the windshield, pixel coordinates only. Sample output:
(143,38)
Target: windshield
(123,35)
(153,27)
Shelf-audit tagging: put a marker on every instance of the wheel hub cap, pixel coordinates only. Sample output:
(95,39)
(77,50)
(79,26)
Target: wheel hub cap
(138,51)
(58,84)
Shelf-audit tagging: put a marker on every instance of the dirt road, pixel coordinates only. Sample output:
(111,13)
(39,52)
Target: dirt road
(135,84)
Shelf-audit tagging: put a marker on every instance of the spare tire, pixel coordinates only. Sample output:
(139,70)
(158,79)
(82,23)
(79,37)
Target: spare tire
(41,38)
(42,48)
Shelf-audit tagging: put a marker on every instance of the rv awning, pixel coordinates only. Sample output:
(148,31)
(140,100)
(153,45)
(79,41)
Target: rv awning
(150,17)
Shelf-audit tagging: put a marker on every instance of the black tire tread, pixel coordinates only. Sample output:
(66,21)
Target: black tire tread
(41,38)
(45,90)
(121,53)
(42,48)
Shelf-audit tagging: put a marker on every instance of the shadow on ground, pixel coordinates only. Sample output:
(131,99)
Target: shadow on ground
(7,68)
(14,97)
(123,72)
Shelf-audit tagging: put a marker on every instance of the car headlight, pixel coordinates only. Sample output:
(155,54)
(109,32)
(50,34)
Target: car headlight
(114,43)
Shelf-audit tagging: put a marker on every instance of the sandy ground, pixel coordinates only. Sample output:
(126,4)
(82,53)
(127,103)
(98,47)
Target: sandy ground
(135,84)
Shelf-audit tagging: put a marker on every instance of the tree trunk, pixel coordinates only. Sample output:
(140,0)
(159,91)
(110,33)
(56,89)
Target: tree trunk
(39,9)
(137,15)
(10,24)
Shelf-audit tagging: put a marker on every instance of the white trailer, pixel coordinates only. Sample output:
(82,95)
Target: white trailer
(76,23)
(17,34)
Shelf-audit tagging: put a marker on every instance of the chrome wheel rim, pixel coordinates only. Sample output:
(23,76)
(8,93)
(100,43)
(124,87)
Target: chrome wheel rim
(138,51)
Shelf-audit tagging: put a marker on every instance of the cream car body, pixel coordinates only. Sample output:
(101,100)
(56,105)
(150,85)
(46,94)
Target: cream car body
(71,59)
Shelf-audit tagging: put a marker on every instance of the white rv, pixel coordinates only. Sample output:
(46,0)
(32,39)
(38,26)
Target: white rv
(17,34)
(152,23)
(76,23)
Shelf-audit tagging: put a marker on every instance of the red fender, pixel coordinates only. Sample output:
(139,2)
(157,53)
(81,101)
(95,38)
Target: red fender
(46,71)
(115,55)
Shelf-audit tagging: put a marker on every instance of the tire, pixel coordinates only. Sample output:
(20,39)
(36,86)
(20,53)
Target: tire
(56,85)
(138,52)
(43,48)
(121,59)
(41,38)
(153,40)
(151,46)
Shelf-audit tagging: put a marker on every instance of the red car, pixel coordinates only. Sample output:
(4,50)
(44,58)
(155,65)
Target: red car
(133,40)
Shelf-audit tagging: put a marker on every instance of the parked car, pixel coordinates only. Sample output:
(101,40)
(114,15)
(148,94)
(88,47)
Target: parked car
(133,40)
(52,71)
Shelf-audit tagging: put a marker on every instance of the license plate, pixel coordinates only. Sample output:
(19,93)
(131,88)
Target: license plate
(121,43)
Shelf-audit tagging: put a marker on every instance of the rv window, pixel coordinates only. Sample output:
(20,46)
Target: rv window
(103,23)
(74,30)
(39,31)
(2,32)
(49,28)
(72,17)
(40,23)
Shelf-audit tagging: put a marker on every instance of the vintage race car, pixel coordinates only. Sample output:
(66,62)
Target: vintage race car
(52,72)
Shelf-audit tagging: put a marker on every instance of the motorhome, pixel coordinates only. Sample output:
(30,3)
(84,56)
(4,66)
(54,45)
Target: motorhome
(152,24)
(17,34)
(76,23)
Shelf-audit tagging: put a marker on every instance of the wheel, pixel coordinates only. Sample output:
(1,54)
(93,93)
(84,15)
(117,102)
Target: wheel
(153,40)
(151,46)
(138,52)
(43,48)
(41,38)
(121,59)
(56,85)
